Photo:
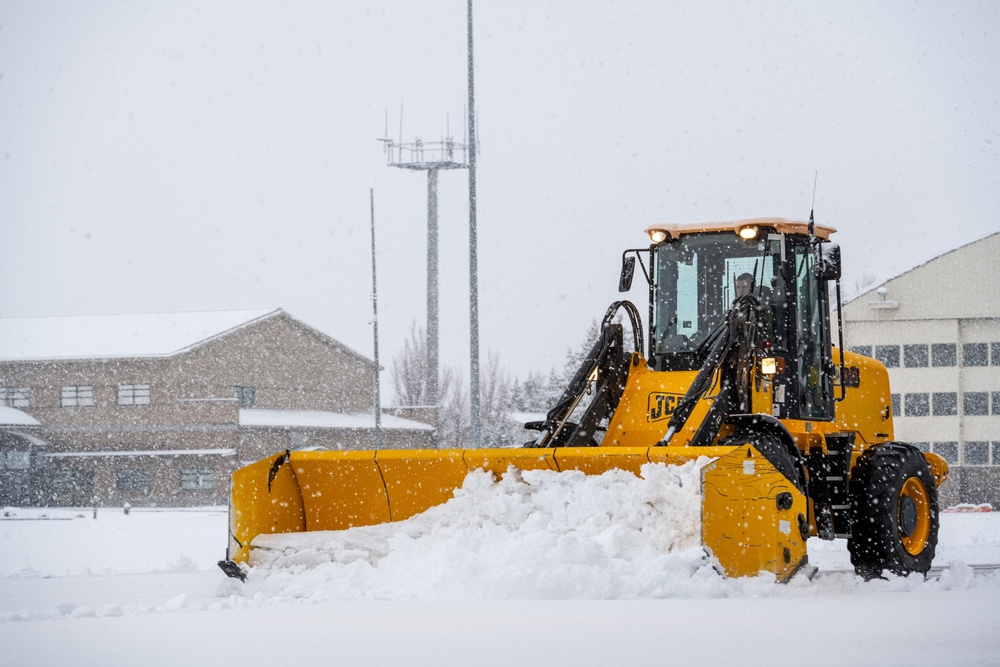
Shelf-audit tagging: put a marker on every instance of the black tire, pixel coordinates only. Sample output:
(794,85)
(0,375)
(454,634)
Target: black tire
(895,512)
(783,455)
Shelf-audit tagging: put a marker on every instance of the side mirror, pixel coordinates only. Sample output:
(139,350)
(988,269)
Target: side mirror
(828,266)
(628,270)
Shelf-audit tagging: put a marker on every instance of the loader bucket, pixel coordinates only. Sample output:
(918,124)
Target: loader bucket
(753,517)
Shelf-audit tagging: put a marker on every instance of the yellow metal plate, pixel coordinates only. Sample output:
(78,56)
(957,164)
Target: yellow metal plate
(255,510)
(742,523)
(340,489)
(647,405)
(598,460)
(498,461)
(418,479)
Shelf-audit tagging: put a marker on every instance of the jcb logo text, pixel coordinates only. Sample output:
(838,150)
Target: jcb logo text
(661,406)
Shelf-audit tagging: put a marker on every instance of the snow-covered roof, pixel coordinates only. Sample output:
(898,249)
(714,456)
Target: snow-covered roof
(15,417)
(323,419)
(110,336)
(869,290)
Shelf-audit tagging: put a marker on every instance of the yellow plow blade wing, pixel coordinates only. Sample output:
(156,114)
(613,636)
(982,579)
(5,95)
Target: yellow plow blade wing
(750,511)
(264,497)
(753,519)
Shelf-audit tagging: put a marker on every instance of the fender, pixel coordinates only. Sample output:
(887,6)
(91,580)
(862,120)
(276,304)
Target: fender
(762,423)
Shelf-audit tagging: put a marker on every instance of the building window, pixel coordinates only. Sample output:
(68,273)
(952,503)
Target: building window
(947,450)
(15,460)
(977,454)
(922,446)
(917,405)
(897,409)
(133,480)
(996,453)
(888,355)
(975,354)
(996,402)
(78,396)
(866,350)
(976,403)
(945,404)
(943,354)
(73,480)
(133,394)
(247,396)
(995,351)
(200,479)
(915,356)
(14,397)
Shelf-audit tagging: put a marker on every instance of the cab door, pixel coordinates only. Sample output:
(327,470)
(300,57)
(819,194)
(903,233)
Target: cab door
(812,388)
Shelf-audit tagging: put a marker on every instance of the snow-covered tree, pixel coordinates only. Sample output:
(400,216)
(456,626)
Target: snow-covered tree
(409,370)
(453,411)
(496,404)
(575,356)
(496,401)
(531,395)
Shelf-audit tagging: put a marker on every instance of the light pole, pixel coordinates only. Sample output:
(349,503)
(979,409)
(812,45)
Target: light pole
(473,261)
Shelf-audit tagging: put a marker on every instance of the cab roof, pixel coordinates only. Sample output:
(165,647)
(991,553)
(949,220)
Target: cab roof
(780,225)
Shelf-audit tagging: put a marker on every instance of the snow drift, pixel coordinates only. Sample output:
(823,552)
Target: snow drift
(531,535)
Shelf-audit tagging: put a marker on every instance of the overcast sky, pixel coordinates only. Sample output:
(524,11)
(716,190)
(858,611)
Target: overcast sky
(215,155)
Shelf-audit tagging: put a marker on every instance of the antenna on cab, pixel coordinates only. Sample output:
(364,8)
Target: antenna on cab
(812,220)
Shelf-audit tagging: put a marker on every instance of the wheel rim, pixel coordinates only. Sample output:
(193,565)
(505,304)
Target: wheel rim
(914,516)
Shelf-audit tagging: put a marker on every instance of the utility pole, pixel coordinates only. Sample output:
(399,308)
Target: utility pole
(378,389)
(430,157)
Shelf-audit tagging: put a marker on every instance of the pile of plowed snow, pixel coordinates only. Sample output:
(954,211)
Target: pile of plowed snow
(532,534)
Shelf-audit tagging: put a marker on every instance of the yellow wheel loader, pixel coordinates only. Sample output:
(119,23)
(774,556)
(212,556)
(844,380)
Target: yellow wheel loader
(739,367)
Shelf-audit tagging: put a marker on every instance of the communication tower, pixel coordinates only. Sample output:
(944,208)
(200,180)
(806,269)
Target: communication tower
(429,156)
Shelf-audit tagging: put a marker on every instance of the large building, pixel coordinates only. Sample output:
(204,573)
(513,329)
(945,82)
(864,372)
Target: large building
(158,409)
(937,330)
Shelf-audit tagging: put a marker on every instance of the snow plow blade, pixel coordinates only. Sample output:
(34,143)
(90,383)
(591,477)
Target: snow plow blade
(752,519)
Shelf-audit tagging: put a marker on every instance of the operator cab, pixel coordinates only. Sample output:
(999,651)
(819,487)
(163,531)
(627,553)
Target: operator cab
(696,272)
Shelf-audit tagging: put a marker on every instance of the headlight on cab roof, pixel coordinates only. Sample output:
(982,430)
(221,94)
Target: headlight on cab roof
(658,235)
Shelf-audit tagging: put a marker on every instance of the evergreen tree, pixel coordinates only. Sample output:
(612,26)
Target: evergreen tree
(532,396)
(575,357)
(499,428)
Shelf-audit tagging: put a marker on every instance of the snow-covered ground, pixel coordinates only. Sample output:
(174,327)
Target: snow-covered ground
(538,569)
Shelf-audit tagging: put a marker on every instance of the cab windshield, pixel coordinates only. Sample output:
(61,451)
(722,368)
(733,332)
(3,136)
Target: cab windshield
(696,279)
